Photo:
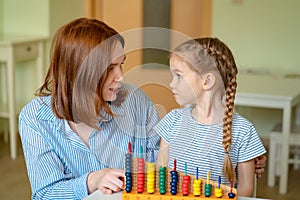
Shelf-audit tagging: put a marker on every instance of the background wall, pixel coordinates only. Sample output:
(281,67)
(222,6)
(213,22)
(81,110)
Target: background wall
(126,17)
(1,16)
(264,37)
(34,17)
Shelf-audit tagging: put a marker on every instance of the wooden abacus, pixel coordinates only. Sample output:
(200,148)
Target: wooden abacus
(132,194)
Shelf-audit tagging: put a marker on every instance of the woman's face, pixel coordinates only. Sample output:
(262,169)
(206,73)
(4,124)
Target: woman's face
(186,83)
(115,77)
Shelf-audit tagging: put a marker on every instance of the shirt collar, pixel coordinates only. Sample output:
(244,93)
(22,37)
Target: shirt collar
(45,111)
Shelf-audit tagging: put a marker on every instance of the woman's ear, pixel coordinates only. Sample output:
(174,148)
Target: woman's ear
(209,81)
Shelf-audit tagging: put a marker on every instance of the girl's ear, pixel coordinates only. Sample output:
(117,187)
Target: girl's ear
(209,81)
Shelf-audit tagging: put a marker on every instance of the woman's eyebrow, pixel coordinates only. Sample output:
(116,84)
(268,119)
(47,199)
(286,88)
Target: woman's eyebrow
(116,63)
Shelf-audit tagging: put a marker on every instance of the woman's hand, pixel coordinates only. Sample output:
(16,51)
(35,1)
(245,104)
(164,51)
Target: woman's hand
(260,163)
(107,180)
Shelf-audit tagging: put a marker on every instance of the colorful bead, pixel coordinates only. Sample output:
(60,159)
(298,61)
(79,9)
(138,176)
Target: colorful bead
(231,195)
(162,180)
(151,178)
(140,175)
(218,192)
(197,187)
(185,185)
(207,190)
(173,183)
(128,176)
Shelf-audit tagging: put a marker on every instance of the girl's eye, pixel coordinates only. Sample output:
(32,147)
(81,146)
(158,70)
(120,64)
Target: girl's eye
(178,76)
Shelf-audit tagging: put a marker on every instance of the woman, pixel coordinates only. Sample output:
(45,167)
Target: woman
(76,132)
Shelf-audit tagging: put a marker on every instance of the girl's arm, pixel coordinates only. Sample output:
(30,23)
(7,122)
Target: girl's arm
(163,152)
(246,173)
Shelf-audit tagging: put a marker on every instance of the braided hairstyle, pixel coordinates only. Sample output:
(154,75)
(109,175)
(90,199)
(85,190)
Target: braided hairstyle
(207,55)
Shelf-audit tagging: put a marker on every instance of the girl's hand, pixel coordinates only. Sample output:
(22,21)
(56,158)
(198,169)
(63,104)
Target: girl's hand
(260,163)
(107,180)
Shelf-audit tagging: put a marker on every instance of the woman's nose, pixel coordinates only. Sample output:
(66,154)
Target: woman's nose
(119,76)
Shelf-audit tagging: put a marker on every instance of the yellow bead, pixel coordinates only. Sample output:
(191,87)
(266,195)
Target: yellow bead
(218,192)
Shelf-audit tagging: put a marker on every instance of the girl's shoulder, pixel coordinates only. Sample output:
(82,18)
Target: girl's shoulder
(239,120)
(179,112)
(175,117)
(243,126)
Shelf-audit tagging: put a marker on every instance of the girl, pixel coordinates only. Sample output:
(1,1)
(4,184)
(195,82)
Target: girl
(208,133)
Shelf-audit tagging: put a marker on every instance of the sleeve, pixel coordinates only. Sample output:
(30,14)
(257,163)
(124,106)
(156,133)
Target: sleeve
(153,139)
(251,146)
(165,126)
(45,170)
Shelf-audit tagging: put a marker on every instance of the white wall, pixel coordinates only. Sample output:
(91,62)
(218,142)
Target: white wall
(264,37)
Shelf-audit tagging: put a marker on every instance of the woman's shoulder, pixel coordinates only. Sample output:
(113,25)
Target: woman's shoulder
(132,89)
(132,95)
(35,107)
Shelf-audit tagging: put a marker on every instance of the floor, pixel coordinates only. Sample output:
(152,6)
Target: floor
(14,183)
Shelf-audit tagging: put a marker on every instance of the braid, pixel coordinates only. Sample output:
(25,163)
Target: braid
(228,70)
(212,54)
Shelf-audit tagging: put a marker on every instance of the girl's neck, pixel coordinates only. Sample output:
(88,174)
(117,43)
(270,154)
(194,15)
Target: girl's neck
(208,113)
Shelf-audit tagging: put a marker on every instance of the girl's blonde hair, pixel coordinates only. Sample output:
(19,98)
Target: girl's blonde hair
(209,54)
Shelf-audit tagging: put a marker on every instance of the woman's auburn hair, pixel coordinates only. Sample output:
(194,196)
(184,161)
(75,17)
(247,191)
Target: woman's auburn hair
(80,54)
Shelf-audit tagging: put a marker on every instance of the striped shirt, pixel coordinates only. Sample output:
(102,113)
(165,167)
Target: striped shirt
(200,145)
(58,162)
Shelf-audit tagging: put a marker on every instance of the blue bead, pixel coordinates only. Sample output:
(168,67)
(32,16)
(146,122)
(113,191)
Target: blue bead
(173,184)
(231,195)
(174,188)
(173,192)
(173,172)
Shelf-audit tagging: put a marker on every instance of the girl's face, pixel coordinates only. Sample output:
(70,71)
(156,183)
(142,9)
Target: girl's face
(186,84)
(115,77)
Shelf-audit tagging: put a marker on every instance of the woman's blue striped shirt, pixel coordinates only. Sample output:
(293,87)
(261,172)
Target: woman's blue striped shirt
(57,160)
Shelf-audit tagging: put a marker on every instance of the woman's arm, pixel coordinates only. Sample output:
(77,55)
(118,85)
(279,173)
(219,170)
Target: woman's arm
(45,170)
(246,173)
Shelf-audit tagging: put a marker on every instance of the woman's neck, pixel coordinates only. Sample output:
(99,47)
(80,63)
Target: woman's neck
(82,130)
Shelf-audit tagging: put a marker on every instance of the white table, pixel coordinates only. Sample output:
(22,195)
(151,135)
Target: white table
(15,48)
(118,196)
(275,92)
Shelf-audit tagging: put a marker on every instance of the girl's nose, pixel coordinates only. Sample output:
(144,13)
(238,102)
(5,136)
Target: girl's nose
(172,83)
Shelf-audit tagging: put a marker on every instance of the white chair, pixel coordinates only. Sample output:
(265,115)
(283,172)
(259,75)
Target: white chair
(275,153)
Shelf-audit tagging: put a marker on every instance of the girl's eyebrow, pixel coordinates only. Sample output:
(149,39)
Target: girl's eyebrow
(177,70)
